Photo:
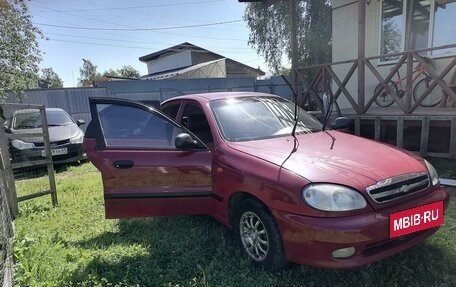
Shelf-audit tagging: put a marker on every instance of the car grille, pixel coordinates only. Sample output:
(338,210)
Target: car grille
(398,187)
(53,144)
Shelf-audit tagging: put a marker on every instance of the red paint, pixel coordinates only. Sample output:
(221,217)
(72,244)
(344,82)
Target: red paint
(416,219)
(258,168)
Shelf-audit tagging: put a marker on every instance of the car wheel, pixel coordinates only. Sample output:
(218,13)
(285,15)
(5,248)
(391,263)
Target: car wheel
(259,236)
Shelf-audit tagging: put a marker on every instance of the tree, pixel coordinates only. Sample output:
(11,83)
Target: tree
(19,51)
(51,77)
(124,72)
(270,31)
(111,73)
(129,72)
(88,73)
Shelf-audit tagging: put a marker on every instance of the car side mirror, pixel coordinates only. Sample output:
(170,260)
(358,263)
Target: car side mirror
(6,127)
(342,123)
(185,141)
(80,122)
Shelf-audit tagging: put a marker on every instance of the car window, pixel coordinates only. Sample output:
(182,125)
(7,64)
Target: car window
(131,127)
(32,119)
(194,119)
(253,118)
(171,110)
(58,118)
(29,120)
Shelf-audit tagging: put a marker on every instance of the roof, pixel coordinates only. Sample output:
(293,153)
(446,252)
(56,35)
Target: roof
(189,46)
(25,111)
(207,97)
(178,71)
(181,47)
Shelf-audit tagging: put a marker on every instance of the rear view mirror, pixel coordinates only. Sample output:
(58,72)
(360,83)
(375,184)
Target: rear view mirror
(80,122)
(185,141)
(342,123)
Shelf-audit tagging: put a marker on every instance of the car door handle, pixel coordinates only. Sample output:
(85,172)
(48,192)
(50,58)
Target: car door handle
(123,164)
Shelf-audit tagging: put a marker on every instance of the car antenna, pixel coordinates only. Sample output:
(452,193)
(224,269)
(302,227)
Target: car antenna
(295,97)
(327,117)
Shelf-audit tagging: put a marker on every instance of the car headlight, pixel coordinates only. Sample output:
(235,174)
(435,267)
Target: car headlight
(78,138)
(432,173)
(333,197)
(22,145)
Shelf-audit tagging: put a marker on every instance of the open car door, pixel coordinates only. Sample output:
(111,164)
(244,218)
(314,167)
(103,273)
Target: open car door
(144,174)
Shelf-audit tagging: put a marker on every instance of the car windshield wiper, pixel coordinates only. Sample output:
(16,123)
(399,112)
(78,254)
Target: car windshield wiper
(54,125)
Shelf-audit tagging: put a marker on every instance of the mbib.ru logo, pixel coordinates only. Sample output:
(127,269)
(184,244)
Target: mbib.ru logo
(416,219)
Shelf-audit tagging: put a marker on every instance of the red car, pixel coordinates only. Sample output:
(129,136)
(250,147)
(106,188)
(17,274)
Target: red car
(317,197)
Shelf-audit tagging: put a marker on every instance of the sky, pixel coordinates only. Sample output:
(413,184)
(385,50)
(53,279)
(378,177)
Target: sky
(125,42)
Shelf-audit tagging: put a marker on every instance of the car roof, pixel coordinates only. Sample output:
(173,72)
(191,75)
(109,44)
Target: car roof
(25,111)
(208,97)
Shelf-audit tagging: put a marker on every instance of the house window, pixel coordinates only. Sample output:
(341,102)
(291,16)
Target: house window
(444,32)
(392,27)
(417,24)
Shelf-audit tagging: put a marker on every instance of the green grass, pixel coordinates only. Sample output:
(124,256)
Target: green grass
(73,245)
(445,167)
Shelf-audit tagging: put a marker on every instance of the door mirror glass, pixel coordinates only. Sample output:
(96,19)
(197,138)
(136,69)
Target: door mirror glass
(80,122)
(185,141)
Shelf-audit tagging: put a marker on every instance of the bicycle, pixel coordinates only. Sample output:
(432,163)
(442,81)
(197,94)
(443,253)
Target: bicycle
(385,99)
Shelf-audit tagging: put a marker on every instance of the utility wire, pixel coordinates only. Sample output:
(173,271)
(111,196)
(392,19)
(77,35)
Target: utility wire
(138,29)
(129,41)
(136,47)
(134,7)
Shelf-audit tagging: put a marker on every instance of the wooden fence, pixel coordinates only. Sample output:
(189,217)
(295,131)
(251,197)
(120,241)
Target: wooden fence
(324,74)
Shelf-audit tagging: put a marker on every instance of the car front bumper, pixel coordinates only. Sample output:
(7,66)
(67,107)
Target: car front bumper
(311,240)
(74,153)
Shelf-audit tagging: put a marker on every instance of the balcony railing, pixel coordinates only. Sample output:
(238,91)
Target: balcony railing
(326,80)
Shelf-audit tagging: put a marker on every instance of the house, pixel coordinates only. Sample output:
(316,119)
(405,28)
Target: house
(188,61)
(392,26)
(373,42)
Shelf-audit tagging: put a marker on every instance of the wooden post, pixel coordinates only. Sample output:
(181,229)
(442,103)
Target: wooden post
(400,132)
(357,126)
(9,184)
(47,148)
(361,53)
(453,138)
(294,46)
(408,89)
(424,136)
(377,128)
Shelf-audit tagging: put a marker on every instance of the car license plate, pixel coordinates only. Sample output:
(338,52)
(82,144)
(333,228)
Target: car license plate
(416,219)
(56,151)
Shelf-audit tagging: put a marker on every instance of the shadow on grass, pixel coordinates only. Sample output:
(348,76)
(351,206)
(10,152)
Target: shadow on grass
(198,251)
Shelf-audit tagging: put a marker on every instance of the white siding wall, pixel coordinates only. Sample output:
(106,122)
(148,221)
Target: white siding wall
(177,60)
(345,43)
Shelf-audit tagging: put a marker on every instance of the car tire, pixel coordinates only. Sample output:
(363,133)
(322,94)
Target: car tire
(258,235)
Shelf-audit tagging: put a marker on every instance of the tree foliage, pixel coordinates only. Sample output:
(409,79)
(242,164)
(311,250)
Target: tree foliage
(126,71)
(19,51)
(270,31)
(51,77)
(87,73)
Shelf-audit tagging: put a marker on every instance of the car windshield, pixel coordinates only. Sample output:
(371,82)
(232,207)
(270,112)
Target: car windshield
(254,118)
(30,120)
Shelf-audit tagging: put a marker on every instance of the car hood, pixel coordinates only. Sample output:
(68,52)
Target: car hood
(57,133)
(351,160)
